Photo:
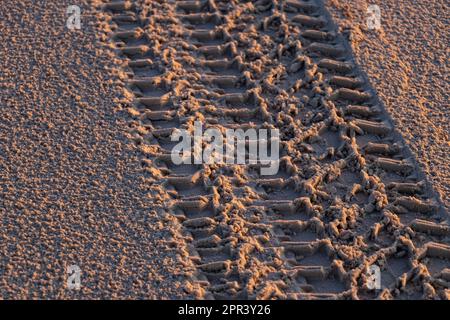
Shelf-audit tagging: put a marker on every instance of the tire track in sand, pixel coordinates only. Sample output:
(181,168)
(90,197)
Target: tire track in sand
(347,196)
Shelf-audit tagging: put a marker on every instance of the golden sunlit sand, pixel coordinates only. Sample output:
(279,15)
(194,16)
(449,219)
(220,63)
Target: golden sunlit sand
(87,177)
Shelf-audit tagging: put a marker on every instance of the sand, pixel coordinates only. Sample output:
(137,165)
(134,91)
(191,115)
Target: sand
(71,191)
(87,177)
(407,63)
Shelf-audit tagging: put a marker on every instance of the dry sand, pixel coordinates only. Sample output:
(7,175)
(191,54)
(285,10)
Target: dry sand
(84,182)
(70,187)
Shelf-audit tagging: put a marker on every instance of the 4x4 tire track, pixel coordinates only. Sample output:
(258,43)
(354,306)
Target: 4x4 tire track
(347,196)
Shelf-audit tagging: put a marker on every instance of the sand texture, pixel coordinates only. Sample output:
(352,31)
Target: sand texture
(348,194)
(87,176)
(71,191)
(408,64)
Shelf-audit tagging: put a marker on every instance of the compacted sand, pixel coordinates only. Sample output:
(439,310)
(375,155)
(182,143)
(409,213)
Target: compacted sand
(87,179)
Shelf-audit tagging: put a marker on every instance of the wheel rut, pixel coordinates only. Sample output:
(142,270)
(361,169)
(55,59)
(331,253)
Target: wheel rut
(348,194)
